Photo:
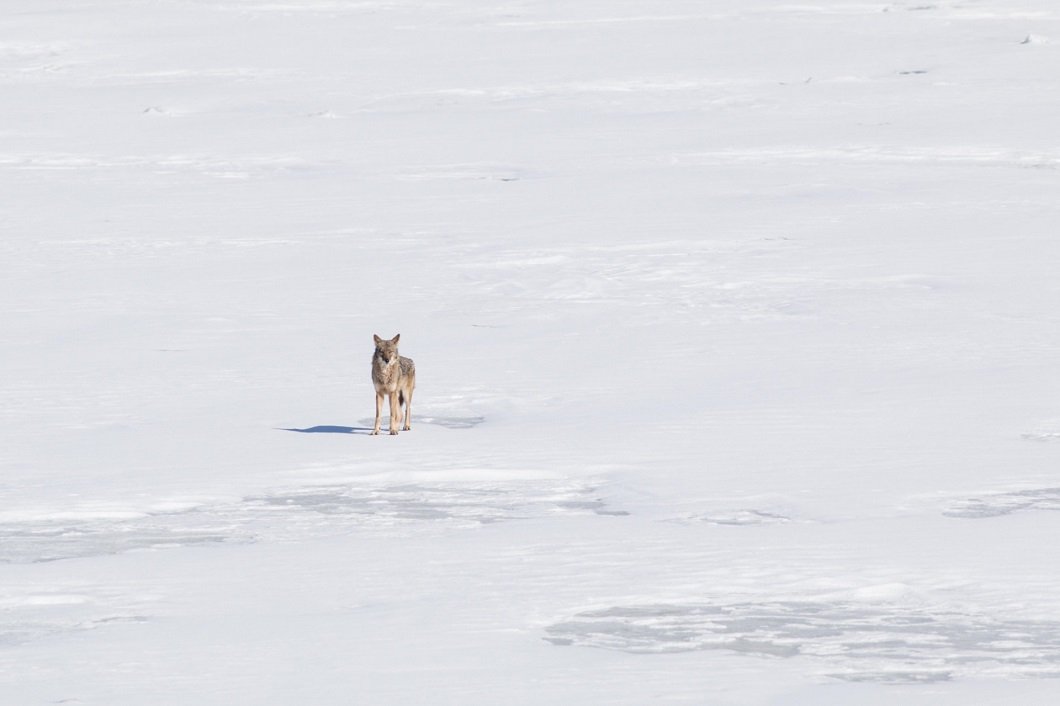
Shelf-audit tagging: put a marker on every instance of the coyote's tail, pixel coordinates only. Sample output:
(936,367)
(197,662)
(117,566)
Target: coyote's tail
(401,397)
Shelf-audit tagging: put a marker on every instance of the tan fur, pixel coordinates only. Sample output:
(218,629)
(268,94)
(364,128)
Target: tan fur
(394,376)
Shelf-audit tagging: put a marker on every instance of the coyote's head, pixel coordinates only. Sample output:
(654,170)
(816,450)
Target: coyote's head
(386,350)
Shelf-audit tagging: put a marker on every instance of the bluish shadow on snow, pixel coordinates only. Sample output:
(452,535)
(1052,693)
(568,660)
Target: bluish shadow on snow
(366,428)
(330,429)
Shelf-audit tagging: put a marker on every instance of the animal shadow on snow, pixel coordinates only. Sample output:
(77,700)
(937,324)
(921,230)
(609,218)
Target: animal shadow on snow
(447,422)
(330,429)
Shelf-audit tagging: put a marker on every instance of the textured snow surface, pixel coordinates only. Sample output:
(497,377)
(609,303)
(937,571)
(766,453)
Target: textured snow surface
(736,330)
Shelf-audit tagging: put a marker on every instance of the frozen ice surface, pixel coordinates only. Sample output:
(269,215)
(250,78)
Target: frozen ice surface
(735,326)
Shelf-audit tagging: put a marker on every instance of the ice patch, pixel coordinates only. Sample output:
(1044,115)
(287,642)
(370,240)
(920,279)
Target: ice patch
(998,504)
(458,504)
(460,172)
(853,641)
(32,616)
(59,538)
(296,514)
(738,518)
(875,154)
(449,422)
(1046,431)
(45,599)
(1042,436)
(257,167)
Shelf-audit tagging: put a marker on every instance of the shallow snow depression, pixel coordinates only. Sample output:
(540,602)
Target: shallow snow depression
(735,333)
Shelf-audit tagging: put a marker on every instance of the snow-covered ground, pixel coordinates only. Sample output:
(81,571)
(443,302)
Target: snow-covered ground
(737,328)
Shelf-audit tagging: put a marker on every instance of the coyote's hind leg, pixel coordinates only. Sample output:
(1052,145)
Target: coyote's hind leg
(395,413)
(408,411)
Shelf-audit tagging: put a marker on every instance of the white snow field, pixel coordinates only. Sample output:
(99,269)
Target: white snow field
(737,328)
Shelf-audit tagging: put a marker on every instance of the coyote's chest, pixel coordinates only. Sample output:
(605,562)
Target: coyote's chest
(386,375)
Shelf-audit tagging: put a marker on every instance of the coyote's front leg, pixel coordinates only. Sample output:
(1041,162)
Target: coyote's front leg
(378,411)
(395,411)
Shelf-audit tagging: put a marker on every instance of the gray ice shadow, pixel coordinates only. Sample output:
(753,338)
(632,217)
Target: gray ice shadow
(875,643)
(1000,504)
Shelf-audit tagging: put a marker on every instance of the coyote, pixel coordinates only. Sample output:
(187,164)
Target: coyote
(395,376)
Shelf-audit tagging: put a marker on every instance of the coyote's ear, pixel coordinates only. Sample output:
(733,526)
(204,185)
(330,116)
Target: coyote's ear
(394,340)
(377,339)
